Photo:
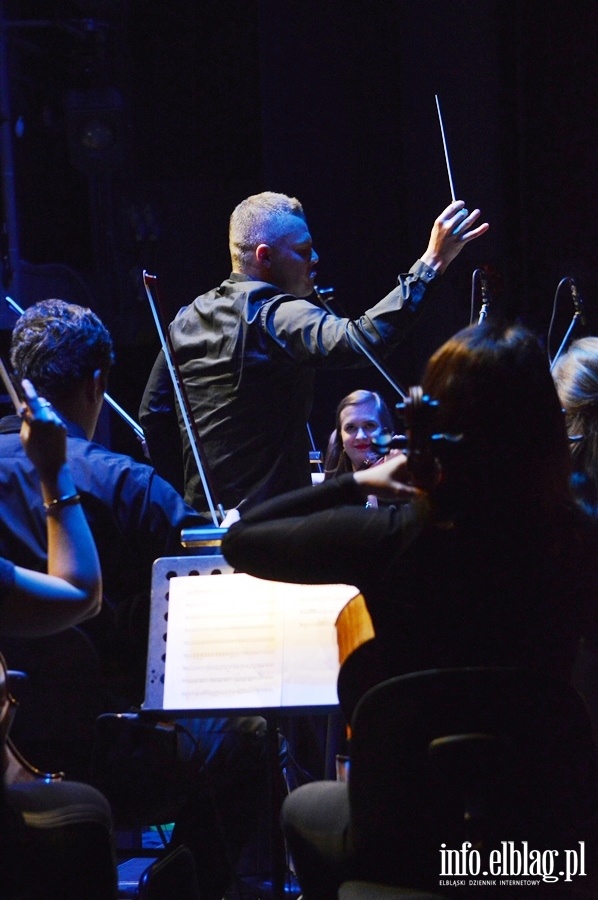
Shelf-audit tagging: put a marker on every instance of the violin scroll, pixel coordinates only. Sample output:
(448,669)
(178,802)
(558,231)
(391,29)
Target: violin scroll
(421,443)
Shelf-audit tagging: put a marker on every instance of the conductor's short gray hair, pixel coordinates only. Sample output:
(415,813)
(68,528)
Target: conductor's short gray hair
(260,219)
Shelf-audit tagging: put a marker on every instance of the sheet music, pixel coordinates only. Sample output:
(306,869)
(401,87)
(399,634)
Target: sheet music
(235,641)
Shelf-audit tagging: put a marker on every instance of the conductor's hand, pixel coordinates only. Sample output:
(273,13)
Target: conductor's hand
(43,433)
(450,232)
(388,480)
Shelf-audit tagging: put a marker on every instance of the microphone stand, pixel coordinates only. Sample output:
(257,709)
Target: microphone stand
(577,316)
(485,298)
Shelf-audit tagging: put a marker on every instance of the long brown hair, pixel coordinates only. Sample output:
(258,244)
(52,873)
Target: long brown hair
(494,387)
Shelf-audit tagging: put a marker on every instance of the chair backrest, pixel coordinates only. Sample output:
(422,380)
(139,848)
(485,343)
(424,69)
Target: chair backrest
(59,700)
(443,756)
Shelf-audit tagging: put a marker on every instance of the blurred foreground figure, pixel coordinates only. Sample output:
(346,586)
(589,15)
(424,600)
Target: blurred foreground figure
(491,563)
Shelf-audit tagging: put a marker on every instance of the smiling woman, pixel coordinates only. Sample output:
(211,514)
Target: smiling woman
(360,416)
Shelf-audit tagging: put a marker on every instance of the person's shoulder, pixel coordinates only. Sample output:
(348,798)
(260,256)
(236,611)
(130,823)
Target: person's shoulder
(249,290)
(289,302)
(102,460)
(237,285)
(105,473)
(244,296)
(231,294)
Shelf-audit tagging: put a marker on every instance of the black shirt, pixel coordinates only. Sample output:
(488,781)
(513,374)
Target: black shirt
(247,355)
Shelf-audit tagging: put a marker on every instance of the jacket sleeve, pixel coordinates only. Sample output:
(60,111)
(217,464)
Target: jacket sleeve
(316,535)
(308,333)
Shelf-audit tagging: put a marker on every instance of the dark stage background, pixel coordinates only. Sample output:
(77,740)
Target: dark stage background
(131,130)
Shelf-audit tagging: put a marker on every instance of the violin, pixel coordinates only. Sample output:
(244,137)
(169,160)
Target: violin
(419,413)
(421,443)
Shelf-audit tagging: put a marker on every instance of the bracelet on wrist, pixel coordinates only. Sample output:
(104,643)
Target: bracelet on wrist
(59,502)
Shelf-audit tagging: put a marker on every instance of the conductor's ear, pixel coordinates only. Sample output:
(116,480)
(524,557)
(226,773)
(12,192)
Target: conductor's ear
(263,253)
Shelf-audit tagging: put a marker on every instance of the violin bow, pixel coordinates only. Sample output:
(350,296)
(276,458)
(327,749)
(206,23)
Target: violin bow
(325,295)
(157,306)
(10,388)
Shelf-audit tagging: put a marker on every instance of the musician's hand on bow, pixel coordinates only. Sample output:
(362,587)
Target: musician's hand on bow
(144,448)
(230,518)
(450,232)
(43,433)
(388,480)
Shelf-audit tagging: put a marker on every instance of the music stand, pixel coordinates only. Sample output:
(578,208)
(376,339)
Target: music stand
(194,608)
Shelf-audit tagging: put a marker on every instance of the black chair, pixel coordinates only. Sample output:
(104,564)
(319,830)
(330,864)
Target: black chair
(56,842)
(56,836)
(59,699)
(477,754)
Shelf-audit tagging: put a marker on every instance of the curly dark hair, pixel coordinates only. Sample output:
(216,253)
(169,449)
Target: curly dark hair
(56,344)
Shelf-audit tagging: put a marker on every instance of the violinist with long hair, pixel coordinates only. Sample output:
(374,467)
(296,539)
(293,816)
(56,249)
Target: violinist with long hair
(361,416)
(495,540)
(490,563)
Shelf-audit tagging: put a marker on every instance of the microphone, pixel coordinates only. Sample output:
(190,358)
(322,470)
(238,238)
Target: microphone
(325,294)
(577,301)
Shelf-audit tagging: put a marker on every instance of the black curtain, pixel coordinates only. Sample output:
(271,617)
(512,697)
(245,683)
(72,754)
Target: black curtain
(333,102)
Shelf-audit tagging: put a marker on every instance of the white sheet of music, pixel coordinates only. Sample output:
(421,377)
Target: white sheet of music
(235,641)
